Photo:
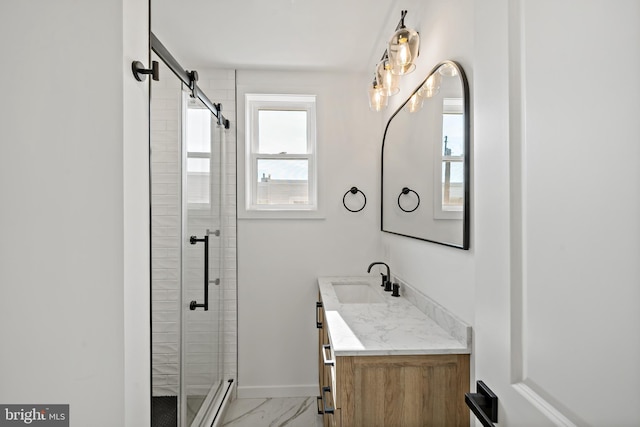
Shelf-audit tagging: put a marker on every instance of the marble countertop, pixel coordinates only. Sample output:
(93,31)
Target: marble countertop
(393,327)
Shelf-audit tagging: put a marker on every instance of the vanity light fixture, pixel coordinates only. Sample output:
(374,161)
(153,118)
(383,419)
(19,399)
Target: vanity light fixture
(386,78)
(403,48)
(415,102)
(397,60)
(378,99)
(431,86)
(448,70)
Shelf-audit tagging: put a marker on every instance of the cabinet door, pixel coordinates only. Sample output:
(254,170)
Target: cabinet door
(403,390)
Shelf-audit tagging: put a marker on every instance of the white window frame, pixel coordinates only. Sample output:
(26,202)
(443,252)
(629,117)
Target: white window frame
(279,102)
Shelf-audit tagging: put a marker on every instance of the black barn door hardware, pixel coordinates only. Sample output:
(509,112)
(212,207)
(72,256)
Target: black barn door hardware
(140,73)
(193,240)
(188,78)
(484,404)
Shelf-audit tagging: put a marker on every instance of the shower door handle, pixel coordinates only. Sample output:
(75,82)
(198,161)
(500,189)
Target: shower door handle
(193,240)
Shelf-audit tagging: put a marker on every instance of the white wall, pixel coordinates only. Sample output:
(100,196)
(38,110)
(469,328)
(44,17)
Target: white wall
(135,44)
(279,260)
(443,273)
(74,195)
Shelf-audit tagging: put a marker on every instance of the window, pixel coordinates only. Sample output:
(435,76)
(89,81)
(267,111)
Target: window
(450,194)
(198,148)
(280,153)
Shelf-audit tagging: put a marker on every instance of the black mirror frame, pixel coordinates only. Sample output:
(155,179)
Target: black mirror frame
(466,215)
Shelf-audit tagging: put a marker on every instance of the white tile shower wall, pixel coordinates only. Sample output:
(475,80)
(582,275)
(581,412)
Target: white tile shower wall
(165,221)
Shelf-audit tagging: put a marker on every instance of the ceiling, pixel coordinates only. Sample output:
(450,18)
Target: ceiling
(278,34)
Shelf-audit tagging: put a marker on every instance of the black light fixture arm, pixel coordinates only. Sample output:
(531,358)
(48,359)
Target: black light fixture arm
(401,23)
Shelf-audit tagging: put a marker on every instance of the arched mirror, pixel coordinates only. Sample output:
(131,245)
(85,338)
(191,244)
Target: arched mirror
(425,161)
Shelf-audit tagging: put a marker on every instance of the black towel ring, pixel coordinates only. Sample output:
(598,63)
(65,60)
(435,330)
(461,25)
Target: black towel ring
(407,190)
(354,190)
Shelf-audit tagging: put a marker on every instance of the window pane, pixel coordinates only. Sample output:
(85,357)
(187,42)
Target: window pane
(283,182)
(282,132)
(198,181)
(283,170)
(198,165)
(198,130)
(452,134)
(452,185)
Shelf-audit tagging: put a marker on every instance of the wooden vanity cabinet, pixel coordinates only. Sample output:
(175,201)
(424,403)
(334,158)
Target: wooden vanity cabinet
(420,390)
(394,390)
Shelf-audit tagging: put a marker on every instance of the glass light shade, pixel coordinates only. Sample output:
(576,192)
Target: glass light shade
(403,51)
(415,102)
(448,70)
(431,86)
(378,99)
(386,78)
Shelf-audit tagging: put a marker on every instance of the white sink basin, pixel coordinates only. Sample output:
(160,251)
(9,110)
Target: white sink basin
(356,293)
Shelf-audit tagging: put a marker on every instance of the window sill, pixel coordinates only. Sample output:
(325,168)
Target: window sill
(280,214)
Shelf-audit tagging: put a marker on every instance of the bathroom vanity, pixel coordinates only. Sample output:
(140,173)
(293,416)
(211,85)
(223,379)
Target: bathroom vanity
(386,361)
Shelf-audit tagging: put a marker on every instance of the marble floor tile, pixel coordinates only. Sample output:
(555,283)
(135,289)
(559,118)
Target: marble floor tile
(289,412)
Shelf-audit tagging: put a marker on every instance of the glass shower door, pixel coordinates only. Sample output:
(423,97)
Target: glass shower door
(186,200)
(201,308)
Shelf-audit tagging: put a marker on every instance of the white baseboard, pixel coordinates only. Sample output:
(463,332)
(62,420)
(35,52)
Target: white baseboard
(262,392)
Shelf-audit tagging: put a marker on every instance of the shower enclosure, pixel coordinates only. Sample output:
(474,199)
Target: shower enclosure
(187,250)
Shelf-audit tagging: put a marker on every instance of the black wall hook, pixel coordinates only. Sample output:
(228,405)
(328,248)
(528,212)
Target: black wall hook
(354,190)
(407,190)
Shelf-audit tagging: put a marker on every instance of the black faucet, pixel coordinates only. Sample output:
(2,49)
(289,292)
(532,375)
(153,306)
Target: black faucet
(386,280)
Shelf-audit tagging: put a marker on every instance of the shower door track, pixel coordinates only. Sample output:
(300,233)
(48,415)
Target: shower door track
(187,79)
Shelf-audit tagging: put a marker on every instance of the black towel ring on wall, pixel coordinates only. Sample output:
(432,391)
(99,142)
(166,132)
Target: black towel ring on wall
(407,190)
(354,190)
